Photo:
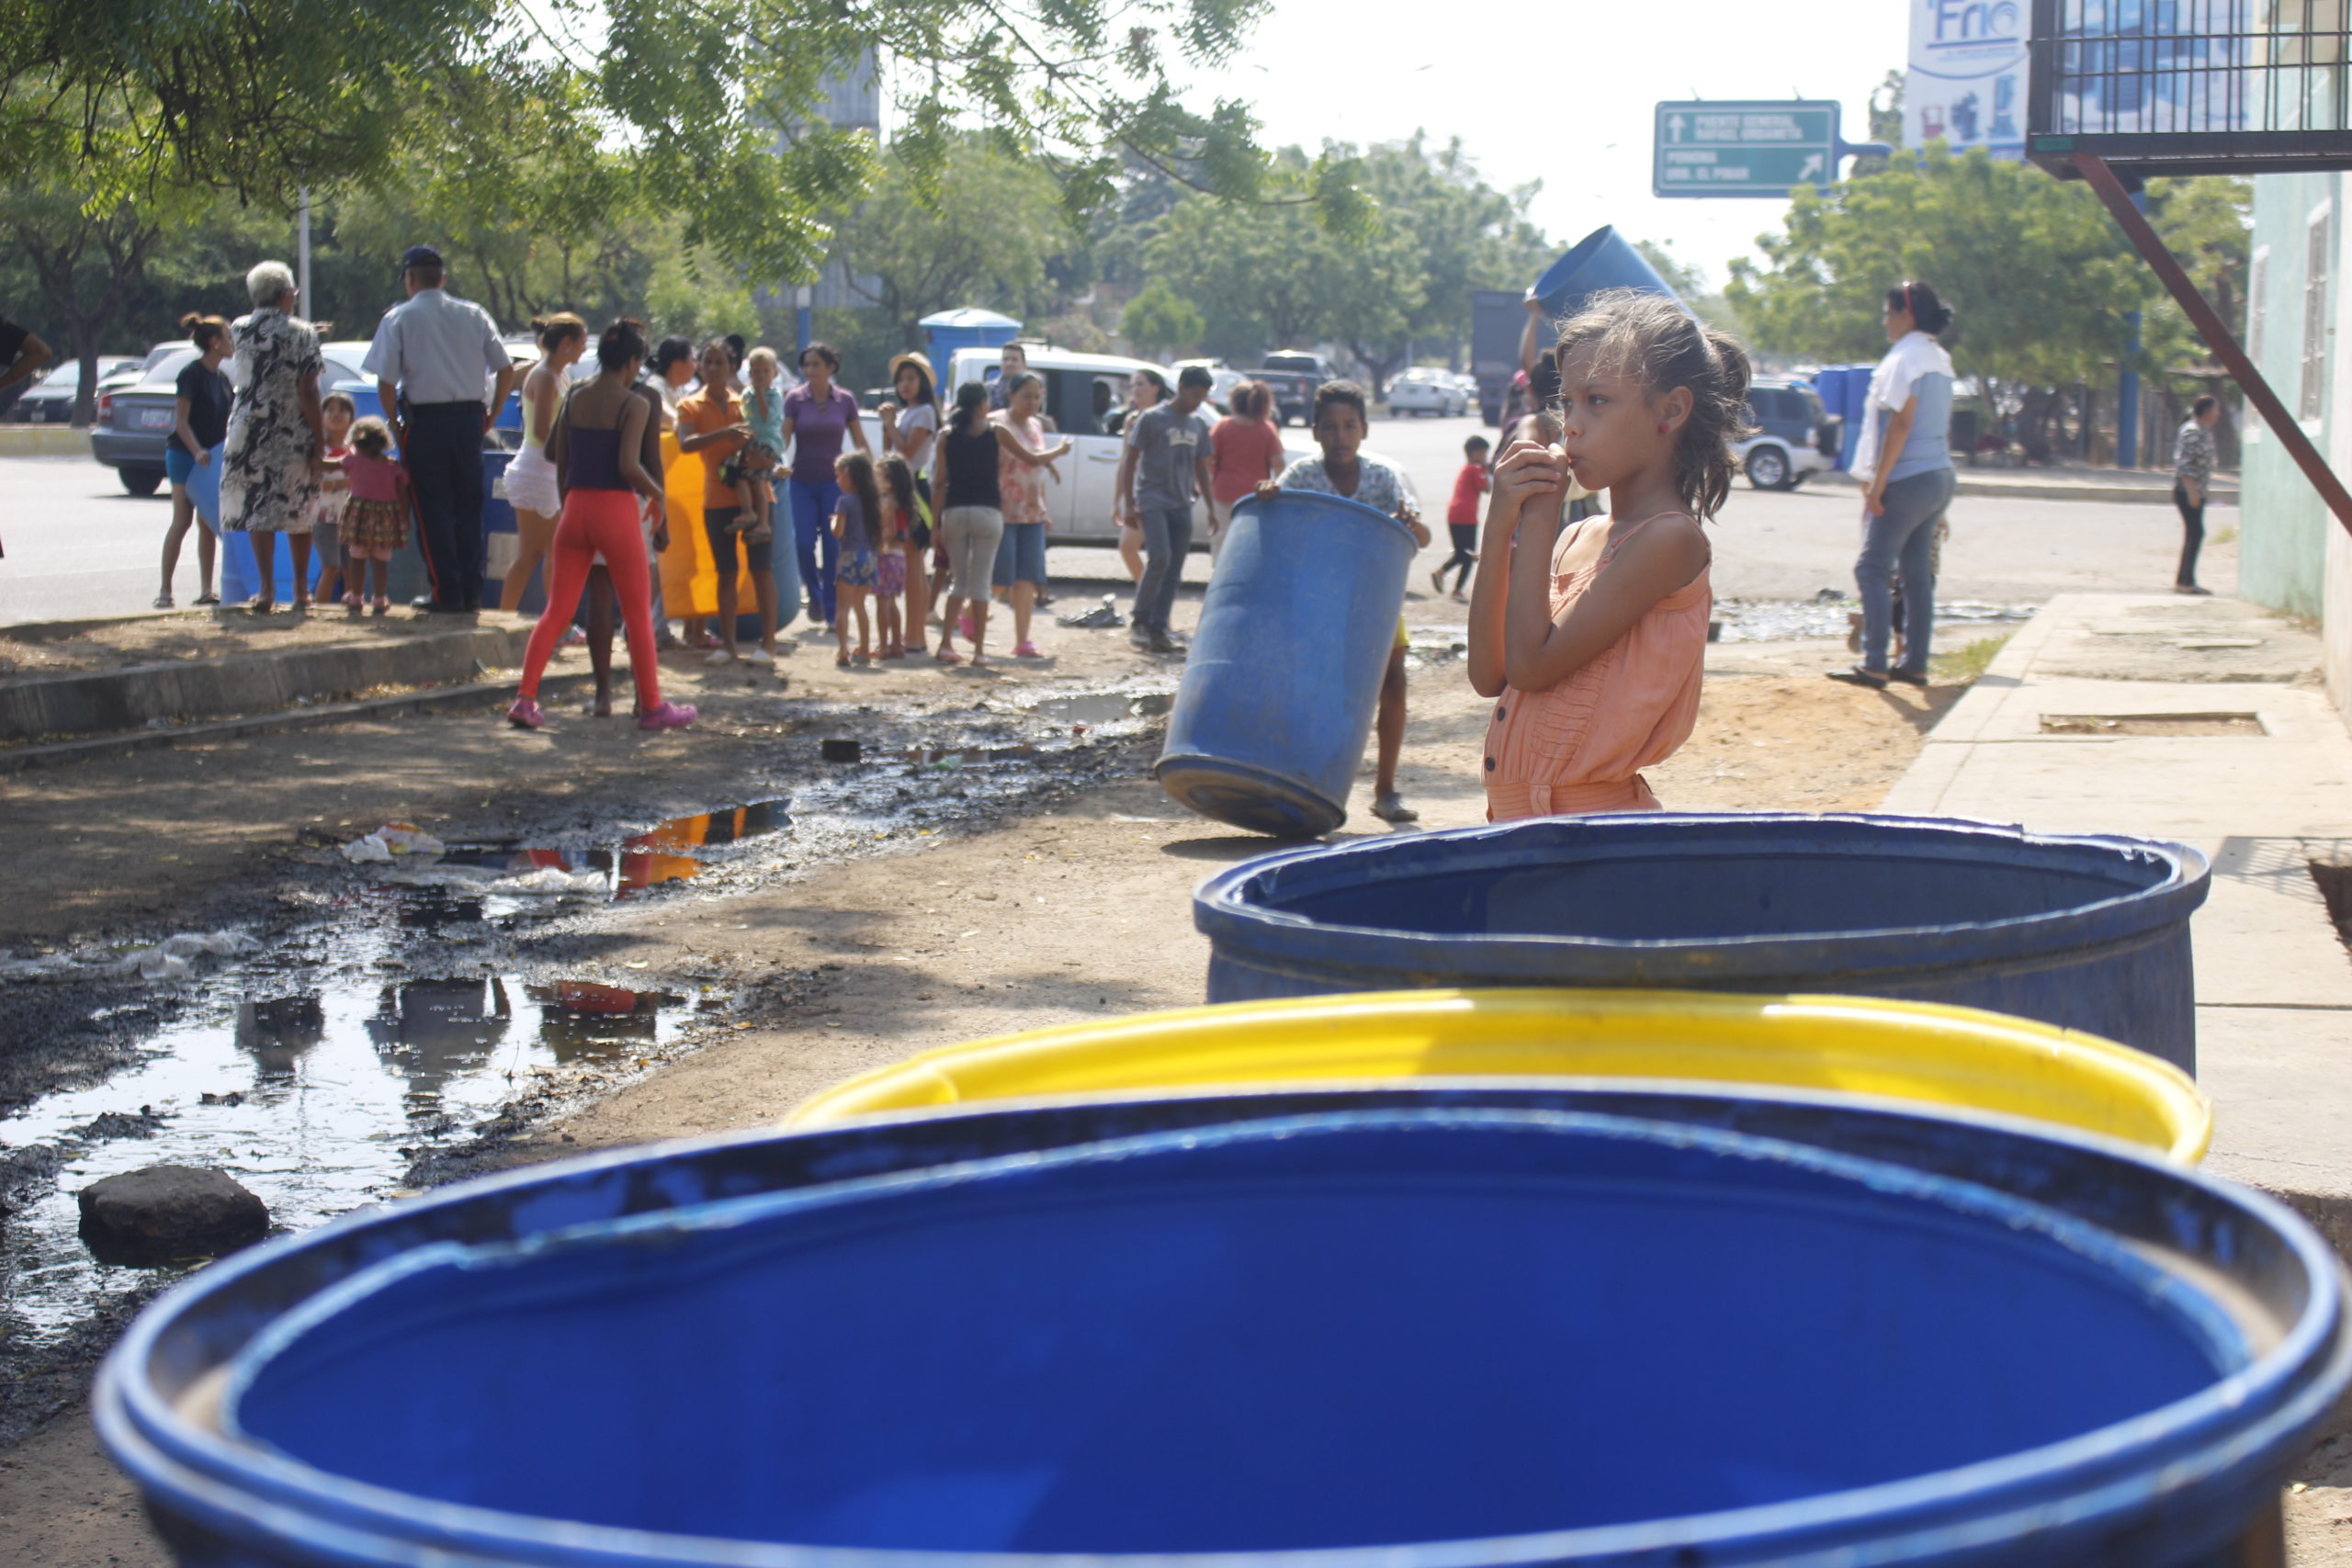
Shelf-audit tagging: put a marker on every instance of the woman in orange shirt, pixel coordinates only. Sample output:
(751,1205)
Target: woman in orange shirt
(1591,637)
(1245,451)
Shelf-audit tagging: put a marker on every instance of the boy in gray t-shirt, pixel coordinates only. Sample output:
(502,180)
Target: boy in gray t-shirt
(1165,465)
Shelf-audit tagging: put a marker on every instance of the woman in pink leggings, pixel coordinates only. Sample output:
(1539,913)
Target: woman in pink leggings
(594,448)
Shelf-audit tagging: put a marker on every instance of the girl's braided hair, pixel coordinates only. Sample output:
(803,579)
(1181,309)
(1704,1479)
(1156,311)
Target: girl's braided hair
(1654,341)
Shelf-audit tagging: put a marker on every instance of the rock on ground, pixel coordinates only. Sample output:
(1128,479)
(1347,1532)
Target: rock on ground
(168,1212)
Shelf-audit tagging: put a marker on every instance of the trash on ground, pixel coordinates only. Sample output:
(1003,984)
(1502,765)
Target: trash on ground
(393,840)
(1101,618)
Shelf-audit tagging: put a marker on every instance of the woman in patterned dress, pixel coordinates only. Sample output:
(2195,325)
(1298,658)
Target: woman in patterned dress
(269,475)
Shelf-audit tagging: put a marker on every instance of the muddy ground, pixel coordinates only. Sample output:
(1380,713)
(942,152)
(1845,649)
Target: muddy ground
(1070,903)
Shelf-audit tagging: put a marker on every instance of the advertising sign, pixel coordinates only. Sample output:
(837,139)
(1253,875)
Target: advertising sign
(1734,148)
(1966,84)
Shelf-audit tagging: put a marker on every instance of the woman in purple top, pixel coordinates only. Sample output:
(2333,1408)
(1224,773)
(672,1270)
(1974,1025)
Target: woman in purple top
(817,415)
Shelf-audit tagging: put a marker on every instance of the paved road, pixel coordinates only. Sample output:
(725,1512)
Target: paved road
(78,547)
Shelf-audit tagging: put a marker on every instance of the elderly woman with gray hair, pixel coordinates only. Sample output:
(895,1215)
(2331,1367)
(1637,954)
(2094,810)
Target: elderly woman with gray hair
(269,472)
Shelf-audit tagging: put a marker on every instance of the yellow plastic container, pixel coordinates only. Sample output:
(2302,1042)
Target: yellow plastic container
(1938,1055)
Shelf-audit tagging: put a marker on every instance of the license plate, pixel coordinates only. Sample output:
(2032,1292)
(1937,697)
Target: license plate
(155,419)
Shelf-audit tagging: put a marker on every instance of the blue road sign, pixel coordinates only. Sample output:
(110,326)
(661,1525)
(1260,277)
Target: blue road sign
(1752,149)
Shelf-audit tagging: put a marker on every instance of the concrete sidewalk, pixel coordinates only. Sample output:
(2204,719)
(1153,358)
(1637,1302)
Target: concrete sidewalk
(2135,486)
(2201,721)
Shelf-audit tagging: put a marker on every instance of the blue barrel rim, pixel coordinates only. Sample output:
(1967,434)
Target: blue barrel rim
(1222,910)
(168,1453)
(1316,498)
(2107,1448)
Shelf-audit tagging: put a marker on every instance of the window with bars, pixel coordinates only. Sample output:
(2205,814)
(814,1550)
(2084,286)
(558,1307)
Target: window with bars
(2316,270)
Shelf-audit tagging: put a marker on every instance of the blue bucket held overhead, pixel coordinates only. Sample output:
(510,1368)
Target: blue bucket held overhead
(1527,1323)
(2083,931)
(1284,677)
(1600,260)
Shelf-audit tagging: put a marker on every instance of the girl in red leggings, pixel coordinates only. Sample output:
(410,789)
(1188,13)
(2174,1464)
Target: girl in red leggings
(594,449)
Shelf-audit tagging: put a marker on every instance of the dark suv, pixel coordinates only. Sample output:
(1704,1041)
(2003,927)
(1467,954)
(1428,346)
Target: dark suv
(1795,435)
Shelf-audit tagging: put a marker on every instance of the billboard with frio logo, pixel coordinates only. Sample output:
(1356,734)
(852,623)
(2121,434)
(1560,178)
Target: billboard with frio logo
(1967,82)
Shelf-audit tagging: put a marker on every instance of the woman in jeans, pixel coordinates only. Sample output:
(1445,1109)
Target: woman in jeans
(1905,467)
(817,415)
(971,518)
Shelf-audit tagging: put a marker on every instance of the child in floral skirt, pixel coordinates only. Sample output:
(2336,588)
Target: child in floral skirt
(375,520)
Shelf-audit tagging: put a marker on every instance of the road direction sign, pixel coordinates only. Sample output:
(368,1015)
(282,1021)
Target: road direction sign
(1735,148)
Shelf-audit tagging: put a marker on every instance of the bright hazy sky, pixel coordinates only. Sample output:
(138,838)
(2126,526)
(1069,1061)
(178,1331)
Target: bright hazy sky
(1564,93)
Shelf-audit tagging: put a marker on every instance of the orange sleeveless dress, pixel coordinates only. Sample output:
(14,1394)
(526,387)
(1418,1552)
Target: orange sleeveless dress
(1579,746)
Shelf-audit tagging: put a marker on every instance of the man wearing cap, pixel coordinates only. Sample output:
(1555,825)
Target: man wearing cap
(430,358)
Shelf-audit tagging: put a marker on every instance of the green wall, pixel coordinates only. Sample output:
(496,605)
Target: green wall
(2283,527)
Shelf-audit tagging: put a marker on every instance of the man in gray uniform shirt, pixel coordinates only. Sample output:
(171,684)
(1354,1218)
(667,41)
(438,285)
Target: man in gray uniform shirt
(430,358)
(1166,464)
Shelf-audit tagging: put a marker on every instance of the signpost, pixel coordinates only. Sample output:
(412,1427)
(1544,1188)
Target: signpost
(1746,148)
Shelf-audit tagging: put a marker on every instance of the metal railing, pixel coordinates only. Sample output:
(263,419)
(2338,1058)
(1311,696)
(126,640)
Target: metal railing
(2192,86)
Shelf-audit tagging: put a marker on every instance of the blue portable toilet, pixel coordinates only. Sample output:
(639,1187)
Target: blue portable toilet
(969,327)
(1845,391)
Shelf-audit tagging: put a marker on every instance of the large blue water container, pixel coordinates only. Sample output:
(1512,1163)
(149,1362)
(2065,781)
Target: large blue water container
(2085,932)
(1553,1325)
(1845,391)
(1601,260)
(1278,693)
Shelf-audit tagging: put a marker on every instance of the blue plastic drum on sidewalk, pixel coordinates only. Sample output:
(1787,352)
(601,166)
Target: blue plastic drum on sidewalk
(1489,1326)
(1284,674)
(2085,932)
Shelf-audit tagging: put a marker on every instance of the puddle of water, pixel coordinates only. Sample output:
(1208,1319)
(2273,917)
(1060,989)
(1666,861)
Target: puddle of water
(1793,620)
(310,1072)
(491,881)
(308,1096)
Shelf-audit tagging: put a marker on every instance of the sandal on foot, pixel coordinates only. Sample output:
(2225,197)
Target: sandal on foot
(668,716)
(207,597)
(163,601)
(947,655)
(525,715)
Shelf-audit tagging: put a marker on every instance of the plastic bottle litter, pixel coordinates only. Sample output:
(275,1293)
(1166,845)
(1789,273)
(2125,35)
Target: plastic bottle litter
(403,840)
(174,958)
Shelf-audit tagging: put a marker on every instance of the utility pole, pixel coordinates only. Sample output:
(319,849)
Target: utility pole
(302,254)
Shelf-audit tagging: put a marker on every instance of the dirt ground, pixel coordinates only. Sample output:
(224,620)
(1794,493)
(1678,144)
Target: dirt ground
(1076,911)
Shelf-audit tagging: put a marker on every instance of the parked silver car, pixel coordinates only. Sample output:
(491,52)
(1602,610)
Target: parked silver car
(134,423)
(1426,389)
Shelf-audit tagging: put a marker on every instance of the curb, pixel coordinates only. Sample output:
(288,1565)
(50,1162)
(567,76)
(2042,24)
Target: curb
(43,441)
(108,700)
(2047,490)
(325,713)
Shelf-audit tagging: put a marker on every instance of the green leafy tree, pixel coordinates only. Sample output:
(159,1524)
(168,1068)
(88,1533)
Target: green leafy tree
(1159,319)
(984,233)
(2041,277)
(704,109)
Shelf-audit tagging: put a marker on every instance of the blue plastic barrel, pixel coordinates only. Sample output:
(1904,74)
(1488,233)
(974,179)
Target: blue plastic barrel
(1601,260)
(2085,932)
(1556,1325)
(241,575)
(1285,675)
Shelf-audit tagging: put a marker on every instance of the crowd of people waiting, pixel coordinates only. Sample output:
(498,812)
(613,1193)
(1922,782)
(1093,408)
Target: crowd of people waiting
(1587,628)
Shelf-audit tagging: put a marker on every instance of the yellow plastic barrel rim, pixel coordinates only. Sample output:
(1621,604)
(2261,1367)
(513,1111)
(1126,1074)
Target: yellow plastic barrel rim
(1941,1056)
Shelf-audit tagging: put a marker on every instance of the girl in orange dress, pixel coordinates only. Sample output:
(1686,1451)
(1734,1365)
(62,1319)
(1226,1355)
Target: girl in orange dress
(1591,637)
